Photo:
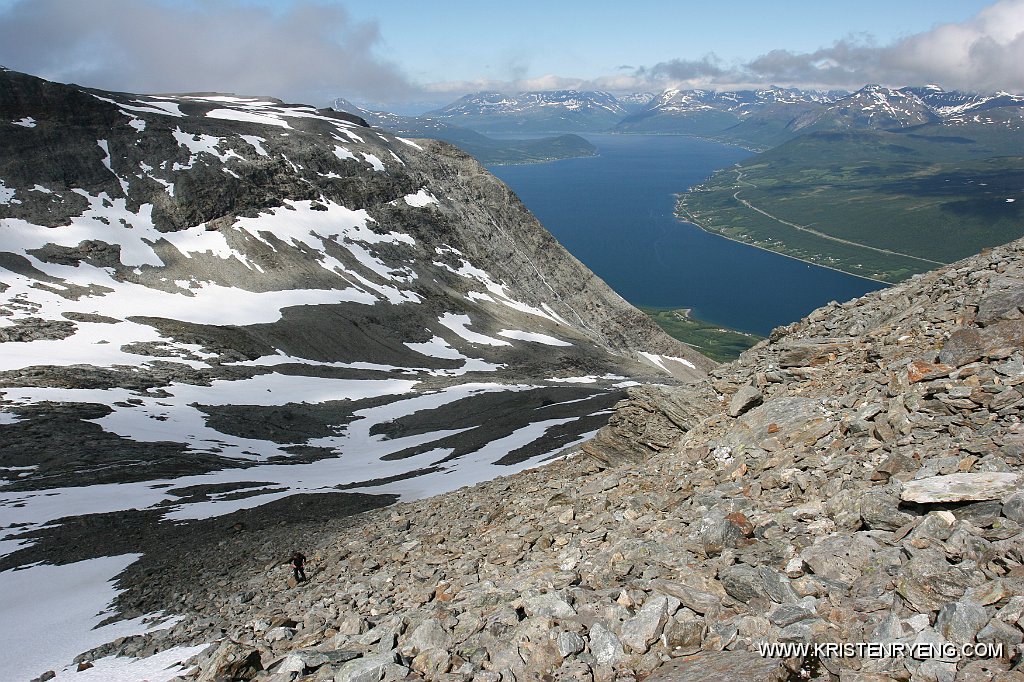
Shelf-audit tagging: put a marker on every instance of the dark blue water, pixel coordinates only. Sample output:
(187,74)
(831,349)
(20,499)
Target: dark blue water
(615,213)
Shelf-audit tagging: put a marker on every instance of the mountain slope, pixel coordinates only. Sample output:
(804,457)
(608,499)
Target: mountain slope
(853,481)
(209,303)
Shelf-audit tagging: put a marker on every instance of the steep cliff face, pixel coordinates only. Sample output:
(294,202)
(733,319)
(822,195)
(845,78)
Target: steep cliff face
(166,260)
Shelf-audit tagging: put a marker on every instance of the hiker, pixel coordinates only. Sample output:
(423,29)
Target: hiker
(298,562)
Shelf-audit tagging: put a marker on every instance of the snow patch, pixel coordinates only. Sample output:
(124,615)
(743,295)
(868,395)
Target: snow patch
(256,143)
(420,199)
(247,117)
(659,361)
(160,667)
(70,600)
(6,193)
(409,142)
(459,324)
(27,122)
(532,336)
(374,162)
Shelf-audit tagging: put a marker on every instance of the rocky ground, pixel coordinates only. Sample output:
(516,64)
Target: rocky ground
(855,478)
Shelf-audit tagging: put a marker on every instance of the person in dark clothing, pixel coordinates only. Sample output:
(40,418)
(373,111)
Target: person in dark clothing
(298,562)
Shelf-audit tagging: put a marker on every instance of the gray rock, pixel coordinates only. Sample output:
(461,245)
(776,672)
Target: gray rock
(969,344)
(929,582)
(1013,508)
(996,304)
(960,621)
(548,605)
(980,514)
(366,669)
(936,671)
(745,398)
(723,665)
(776,585)
(999,632)
(787,614)
(840,558)
(605,646)
(879,511)
(698,601)
(279,633)
(570,643)
(742,582)
(639,631)
(428,635)
(989,485)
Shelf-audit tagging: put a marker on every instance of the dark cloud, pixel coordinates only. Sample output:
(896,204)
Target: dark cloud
(309,52)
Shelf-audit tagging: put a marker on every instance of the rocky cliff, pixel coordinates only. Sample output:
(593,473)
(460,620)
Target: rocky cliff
(853,479)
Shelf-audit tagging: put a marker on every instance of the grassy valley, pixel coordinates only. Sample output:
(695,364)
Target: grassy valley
(883,205)
(716,342)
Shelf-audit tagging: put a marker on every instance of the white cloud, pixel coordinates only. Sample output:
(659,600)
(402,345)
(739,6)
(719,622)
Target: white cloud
(307,51)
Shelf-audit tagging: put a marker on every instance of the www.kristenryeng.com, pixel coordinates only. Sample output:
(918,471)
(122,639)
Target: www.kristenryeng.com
(942,651)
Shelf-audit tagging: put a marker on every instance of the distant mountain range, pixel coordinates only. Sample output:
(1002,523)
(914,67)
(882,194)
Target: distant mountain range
(540,111)
(759,118)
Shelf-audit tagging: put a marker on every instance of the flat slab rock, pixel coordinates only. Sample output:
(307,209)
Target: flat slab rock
(988,485)
(723,665)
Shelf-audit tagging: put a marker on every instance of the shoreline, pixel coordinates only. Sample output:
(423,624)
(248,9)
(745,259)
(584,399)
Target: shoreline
(779,253)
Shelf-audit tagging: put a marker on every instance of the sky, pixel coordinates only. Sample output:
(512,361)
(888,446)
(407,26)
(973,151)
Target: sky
(413,55)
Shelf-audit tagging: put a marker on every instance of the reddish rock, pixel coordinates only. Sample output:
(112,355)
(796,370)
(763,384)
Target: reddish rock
(919,370)
(740,521)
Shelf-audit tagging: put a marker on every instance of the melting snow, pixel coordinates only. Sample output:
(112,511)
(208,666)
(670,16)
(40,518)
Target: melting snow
(202,144)
(374,161)
(27,122)
(659,360)
(161,667)
(458,324)
(71,600)
(162,108)
(532,336)
(247,117)
(6,193)
(420,199)
(409,142)
(256,143)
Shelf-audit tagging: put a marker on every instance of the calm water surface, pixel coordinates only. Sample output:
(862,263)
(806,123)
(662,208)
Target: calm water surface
(615,213)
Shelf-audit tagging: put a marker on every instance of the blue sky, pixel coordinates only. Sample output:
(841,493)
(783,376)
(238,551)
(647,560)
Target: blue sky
(470,39)
(408,54)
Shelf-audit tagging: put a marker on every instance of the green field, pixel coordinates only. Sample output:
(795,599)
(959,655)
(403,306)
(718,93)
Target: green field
(877,204)
(718,343)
